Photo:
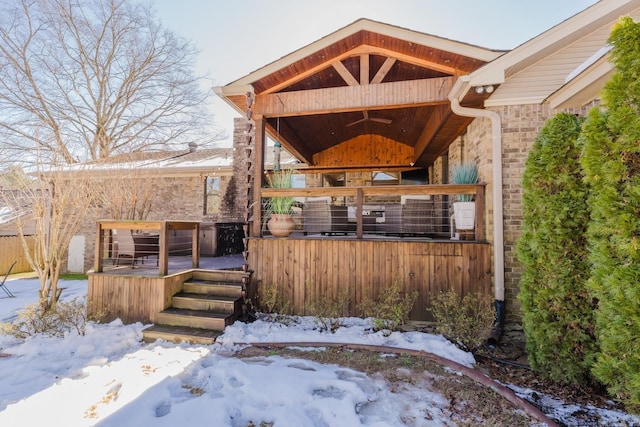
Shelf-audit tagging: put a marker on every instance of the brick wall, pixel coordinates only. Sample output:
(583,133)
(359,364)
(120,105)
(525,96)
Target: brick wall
(520,126)
(173,198)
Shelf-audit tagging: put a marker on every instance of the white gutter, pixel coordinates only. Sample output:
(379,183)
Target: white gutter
(459,89)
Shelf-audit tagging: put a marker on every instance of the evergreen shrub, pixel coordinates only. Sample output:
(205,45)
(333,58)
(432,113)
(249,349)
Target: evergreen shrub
(557,309)
(611,162)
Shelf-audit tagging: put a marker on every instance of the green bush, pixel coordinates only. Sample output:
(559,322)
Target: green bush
(390,310)
(465,321)
(557,309)
(67,316)
(611,162)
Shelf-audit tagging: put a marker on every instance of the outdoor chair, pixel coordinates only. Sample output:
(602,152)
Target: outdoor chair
(3,285)
(124,247)
(414,215)
(320,216)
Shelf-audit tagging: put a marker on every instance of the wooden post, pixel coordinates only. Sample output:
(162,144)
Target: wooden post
(480,205)
(163,261)
(195,246)
(99,252)
(258,177)
(359,202)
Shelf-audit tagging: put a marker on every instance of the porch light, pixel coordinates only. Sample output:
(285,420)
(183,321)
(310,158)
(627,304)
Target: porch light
(482,89)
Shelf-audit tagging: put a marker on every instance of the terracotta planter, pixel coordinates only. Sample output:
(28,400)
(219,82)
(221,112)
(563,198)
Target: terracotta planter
(280,225)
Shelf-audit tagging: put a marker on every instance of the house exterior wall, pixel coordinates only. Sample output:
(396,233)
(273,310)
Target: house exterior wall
(520,126)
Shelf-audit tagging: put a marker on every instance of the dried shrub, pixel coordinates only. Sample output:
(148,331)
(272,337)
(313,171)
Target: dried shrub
(272,304)
(67,316)
(390,310)
(465,321)
(330,311)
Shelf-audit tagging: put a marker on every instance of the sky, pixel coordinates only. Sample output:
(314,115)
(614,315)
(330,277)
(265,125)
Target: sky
(109,377)
(236,38)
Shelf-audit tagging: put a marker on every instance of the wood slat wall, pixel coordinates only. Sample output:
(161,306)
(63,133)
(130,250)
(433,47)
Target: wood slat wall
(365,150)
(131,298)
(302,267)
(11,250)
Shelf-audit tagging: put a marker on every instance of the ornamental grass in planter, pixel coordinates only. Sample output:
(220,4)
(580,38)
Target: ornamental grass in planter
(280,223)
(464,210)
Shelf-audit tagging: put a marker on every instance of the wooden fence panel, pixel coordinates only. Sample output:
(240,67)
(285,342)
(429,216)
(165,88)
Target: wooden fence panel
(304,268)
(11,250)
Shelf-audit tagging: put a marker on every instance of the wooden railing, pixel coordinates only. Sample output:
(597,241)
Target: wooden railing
(359,197)
(162,229)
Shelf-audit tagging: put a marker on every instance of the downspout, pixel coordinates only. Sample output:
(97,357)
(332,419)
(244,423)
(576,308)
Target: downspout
(457,92)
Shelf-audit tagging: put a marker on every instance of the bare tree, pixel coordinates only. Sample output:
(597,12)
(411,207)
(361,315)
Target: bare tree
(95,78)
(126,185)
(56,201)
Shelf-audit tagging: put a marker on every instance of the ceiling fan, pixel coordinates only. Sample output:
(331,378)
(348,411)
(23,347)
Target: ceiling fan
(366,118)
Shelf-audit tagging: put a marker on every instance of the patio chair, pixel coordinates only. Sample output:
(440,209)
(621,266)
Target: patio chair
(320,216)
(414,215)
(3,285)
(124,247)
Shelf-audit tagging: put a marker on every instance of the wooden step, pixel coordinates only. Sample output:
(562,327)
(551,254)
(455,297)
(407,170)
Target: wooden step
(221,289)
(195,318)
(231,276)
(179,334)
(220,304)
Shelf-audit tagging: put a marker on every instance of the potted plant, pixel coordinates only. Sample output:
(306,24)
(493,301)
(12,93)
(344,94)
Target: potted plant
(279,210)
(464,210)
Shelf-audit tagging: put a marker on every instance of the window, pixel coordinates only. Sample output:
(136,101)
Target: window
(298,181)
(211,195)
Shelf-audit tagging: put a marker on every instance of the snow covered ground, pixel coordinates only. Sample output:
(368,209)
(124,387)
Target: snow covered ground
(110,378)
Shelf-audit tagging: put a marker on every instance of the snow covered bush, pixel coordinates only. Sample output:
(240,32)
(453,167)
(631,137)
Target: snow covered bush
(67,316)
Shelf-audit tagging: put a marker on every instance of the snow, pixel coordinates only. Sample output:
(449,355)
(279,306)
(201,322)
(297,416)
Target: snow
(109,377)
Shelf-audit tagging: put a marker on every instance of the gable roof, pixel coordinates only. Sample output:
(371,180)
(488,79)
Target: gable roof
(341,87)
(533,71)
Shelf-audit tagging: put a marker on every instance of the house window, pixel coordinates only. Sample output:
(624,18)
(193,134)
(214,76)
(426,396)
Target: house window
(212,195)
(298,180)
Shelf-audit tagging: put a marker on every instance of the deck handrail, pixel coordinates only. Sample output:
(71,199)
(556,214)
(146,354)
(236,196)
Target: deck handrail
(163,227)
(360,192)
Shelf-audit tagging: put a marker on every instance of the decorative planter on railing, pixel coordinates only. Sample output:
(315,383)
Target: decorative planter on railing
(280,225)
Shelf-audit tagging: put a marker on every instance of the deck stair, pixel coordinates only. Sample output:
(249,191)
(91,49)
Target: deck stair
(208,302)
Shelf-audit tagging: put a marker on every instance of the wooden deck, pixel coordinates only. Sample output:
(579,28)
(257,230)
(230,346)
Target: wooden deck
(140,294)
(302,267)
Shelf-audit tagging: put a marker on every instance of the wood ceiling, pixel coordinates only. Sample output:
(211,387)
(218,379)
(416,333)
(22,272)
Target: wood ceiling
(365,84)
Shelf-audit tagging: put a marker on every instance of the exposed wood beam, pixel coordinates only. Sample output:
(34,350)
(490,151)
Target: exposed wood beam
(434,124)
(302,153)
(391,95)
(345,74)
(382,72)
(439,145)
(364,69)
(372,50)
